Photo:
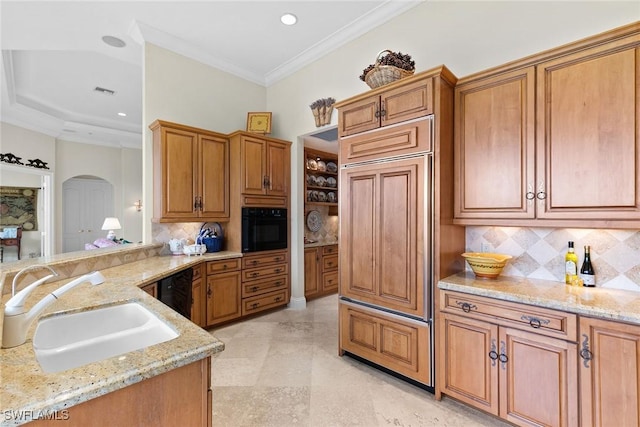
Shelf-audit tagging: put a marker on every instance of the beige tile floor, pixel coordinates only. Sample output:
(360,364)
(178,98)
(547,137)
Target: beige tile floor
(282,369)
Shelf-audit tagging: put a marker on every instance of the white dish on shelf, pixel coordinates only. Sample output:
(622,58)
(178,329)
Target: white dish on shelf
(321,181)
(331,197)
(322,166)
(331,182)
(332,167)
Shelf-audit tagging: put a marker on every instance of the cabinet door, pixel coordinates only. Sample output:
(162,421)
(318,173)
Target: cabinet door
(359,116)
(588,133)
(399,344)
(469,351)
(253,161)
(609,373)
(538,379)
(278,167)
(384,235)
(311,273)
(494,145)
(406,102)
(223,297)
(214,170)
(196,302)
(180,183)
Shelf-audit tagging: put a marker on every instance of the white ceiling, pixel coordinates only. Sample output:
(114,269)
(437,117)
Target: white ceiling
(53,55)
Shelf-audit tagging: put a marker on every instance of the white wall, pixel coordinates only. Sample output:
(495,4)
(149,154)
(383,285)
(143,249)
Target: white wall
(115,165)
(181,90)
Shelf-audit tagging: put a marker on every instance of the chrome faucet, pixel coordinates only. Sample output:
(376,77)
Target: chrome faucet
(17,321)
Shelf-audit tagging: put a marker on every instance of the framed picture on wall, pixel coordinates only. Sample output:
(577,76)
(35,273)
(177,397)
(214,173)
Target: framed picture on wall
(259,122)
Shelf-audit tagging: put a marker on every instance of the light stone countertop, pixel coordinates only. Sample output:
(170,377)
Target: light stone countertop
(26,389)
(612,304)
(321,243)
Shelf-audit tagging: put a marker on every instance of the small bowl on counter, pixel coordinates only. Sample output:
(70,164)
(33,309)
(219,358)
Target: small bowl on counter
(486,265)
(194,250)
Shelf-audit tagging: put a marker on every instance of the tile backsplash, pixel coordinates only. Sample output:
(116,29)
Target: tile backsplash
(329,229)
(539,252)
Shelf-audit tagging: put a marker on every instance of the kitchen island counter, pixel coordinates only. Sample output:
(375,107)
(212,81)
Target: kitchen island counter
(612,304)
(26,391)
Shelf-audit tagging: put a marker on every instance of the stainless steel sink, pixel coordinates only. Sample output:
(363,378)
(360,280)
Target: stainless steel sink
(76,339)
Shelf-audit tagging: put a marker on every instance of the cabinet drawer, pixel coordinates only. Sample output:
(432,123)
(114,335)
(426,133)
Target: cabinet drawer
(266,259)
(329,262)
(329,250)
(265,302)
(541,320)
(330,281)
(258,287)
(266,201)
(401,345)
(412,137)
(214,267)
(257,273)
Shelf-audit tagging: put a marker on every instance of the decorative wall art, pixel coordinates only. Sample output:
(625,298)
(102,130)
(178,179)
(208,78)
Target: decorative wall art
(19,207)
(322,109)
(259,122)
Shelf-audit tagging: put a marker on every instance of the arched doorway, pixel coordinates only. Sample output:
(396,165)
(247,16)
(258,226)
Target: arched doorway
(86,202)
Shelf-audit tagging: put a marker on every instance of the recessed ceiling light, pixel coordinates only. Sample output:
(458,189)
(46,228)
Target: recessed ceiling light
(113,41)
(288,19)
(122,114)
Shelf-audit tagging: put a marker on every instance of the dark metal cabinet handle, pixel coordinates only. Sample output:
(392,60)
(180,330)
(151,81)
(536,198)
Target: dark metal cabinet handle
(225,266)
(255,305)
(254,289)
(541,195)
(530,195)
(277,299)
(209,292)
(255,274)
(535,322)
(466,307)
(383,111)
(278,270)
(503,356)
(493,354)
(254,262)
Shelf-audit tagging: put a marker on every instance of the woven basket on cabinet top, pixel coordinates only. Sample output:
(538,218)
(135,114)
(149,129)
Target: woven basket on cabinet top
(381,75)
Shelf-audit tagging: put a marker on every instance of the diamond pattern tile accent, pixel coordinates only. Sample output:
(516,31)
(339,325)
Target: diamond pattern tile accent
(538,253)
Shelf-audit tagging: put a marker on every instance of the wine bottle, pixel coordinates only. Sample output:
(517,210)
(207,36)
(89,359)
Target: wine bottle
(587,274)
(570,265)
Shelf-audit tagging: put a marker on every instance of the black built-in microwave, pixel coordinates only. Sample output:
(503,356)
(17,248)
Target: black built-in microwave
(264,229)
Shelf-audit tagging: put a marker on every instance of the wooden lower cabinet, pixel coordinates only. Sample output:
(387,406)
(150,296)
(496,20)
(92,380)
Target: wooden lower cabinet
(399,344)
(224,292)
(320,271)
(609,368)
(522,374)
(181,397)
(151,289)
(198,307)
(265,281)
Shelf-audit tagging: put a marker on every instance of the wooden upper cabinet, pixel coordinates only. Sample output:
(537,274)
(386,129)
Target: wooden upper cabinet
(264,165)
(214,170)
(495,142)
(589,133)
(191,174)
(397,102)
(382,220)
(575,160)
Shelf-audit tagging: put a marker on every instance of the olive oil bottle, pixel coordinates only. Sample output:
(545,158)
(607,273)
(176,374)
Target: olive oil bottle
(570,265)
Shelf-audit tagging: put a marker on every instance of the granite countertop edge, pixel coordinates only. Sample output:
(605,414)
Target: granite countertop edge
(25,388)
(604,303)
(320,244)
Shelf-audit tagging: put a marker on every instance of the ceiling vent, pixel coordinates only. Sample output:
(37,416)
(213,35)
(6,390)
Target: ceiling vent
(104,91)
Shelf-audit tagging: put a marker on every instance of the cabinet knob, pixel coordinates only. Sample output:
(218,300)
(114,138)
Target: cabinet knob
(277,299)
(530,195)
(535,322)
(255,305)
(541,195)
(254,289)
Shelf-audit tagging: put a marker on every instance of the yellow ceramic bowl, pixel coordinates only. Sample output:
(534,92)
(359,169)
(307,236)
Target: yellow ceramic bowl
(485,264)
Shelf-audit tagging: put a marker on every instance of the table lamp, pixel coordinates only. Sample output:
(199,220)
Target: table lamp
(111,223)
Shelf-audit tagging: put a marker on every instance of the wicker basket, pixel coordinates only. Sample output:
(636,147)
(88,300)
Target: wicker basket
(385,74)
